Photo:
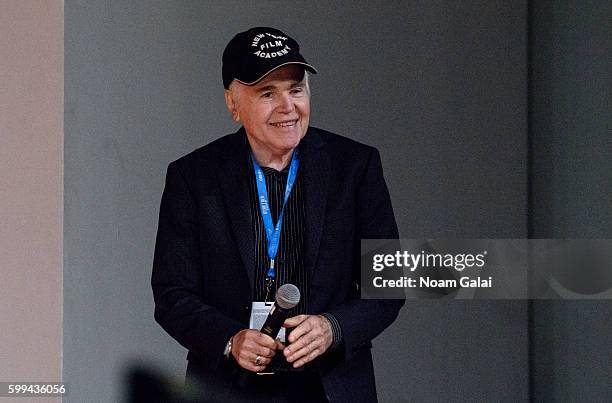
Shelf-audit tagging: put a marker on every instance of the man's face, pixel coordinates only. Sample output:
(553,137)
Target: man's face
(275,111)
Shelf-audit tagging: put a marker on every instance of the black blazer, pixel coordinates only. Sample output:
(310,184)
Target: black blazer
(204,254)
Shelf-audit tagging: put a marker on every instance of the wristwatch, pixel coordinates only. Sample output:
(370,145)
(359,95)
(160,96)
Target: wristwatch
(228,348)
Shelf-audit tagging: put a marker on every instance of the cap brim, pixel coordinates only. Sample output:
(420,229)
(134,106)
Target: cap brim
(307,66)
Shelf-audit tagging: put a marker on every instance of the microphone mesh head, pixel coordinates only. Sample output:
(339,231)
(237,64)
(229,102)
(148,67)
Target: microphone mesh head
(287,296)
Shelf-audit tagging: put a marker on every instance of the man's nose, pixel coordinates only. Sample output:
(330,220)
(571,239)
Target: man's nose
(285,104)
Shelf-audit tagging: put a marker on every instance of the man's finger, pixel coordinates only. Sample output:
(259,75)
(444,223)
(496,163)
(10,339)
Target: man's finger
(294,320)
(250,362)
(298,345)
(263,361)
(303,328)
(313,354)
(264,340)
(264,352)
(298,353)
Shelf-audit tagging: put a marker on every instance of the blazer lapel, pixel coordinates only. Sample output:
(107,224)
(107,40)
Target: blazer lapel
(234,179)
(315,166)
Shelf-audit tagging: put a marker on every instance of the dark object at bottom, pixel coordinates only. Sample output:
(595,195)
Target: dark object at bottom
(291,387)
(149,386)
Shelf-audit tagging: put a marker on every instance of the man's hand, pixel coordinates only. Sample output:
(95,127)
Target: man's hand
(248,344)
(311,337)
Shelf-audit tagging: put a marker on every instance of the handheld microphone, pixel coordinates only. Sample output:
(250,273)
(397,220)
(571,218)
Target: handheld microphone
(287,297)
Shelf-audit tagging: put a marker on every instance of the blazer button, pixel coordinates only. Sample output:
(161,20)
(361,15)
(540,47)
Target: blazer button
(247,307)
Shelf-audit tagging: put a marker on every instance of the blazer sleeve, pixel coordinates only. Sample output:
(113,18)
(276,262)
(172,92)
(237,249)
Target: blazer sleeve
(363,319)
(177,277)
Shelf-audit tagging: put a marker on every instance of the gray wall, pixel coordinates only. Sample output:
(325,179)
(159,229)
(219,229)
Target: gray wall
(438,87)
(571,167)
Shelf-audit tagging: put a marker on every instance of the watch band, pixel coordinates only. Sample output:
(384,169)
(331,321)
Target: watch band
(228,348)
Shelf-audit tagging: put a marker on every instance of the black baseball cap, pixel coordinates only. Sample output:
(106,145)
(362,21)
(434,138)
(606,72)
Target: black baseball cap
(253,54)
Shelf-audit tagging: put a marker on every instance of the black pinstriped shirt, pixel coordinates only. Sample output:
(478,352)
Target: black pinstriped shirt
(289,262)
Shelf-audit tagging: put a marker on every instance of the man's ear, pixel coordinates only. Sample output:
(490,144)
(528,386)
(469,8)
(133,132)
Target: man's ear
(231,105)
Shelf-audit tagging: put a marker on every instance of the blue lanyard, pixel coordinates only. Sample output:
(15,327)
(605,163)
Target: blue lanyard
(273,232)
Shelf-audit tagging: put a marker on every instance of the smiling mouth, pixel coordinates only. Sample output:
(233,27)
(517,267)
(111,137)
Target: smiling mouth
(288,123)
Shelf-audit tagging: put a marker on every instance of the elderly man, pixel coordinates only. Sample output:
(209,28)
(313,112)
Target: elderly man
(276,202)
